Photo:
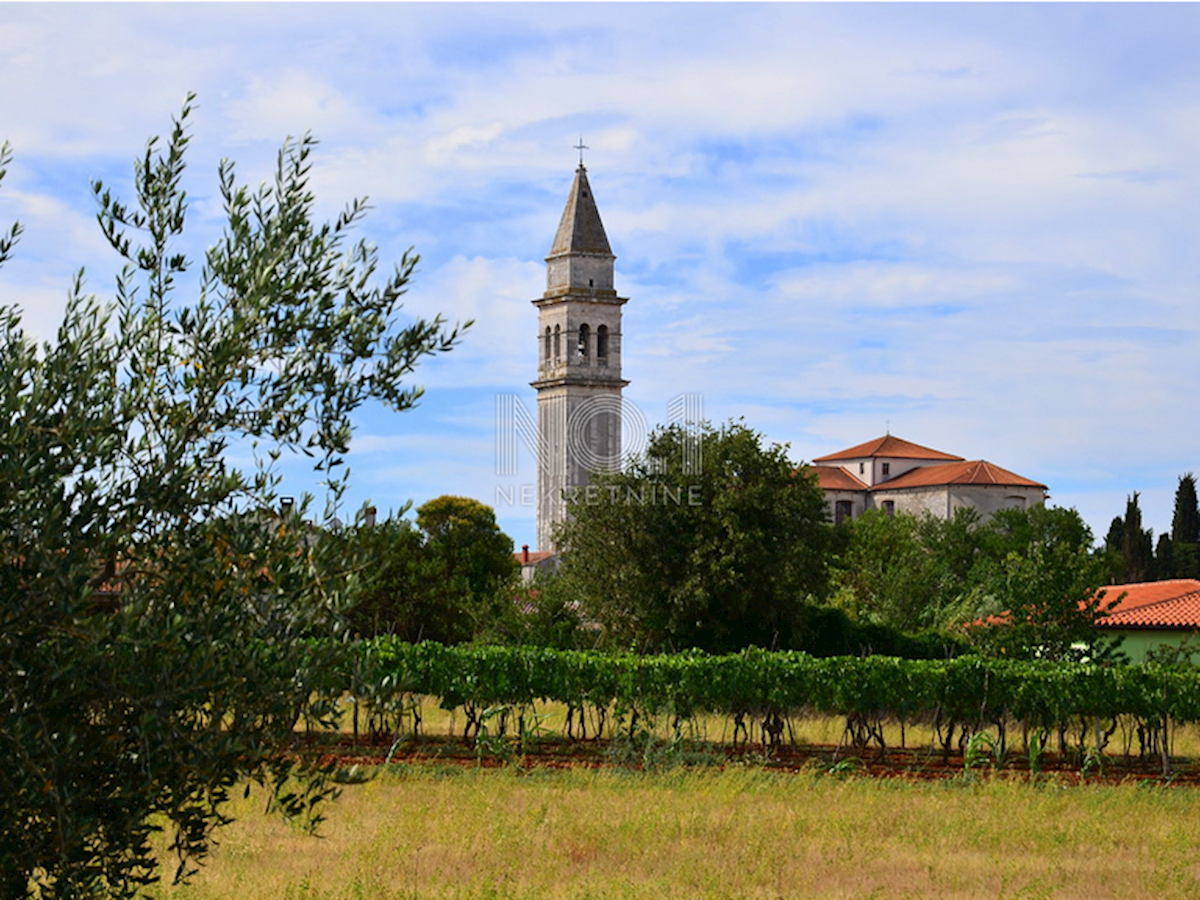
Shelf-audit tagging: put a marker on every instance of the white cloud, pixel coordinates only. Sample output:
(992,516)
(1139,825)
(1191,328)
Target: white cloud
(966,221)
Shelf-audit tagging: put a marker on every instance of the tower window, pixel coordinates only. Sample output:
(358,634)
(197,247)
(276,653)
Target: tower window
(584,334)
(546,346)
(557,343)
(602,342)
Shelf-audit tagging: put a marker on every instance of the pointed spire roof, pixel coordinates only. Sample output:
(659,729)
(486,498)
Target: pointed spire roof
(581,230)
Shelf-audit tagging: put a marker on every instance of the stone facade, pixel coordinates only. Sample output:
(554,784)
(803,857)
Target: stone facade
(579,360)
(895,475)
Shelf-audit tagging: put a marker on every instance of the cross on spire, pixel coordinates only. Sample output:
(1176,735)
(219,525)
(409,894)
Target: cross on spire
(581,146)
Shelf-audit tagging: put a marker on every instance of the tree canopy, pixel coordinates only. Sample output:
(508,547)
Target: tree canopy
(1033,569)
(719,549)
(448,578)
(905,571)
(115,481)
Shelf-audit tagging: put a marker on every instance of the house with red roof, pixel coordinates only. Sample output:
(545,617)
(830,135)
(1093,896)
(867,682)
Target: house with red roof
(532,562)
(1152,614)
(895,475)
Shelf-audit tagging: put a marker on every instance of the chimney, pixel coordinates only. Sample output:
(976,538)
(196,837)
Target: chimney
(370,516)
(285,505)
(524,554)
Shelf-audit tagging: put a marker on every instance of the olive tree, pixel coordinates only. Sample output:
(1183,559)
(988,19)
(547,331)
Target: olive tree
(155,607)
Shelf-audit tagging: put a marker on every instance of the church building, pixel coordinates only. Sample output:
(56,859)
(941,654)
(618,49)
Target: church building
(579,361)
(896,475)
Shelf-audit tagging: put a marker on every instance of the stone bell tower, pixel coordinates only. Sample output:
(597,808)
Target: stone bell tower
(579,361)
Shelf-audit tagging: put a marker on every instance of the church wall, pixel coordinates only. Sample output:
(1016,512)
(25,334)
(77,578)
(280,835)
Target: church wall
(943,500)
(917,501)
(857,501)
(989,499)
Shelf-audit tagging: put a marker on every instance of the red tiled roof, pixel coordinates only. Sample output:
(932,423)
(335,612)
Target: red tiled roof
(535,556)
(978,471)
(891,446)
(1144,593)
(1171,604)
(835,478)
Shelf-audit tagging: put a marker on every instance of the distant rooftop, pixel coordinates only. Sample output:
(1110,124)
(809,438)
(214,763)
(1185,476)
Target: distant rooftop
(889,446)
(975,472)
(1173,604)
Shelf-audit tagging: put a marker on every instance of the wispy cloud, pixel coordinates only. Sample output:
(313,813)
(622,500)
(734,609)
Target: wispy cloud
(971,224)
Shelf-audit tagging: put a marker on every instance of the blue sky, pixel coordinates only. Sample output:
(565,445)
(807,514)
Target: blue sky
(974,225)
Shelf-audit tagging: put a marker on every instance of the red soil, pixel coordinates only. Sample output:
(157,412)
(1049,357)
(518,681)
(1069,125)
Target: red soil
(893,762)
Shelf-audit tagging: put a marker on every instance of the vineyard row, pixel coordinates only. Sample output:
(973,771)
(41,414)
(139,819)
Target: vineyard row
(1047,695)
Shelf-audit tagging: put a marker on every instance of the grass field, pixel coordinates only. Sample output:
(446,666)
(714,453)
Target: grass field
(737,832)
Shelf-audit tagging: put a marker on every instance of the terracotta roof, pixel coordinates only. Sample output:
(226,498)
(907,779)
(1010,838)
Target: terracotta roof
(535,557)
(1144,593)
(835,478)
(978,471)
(1171,604)
(890,446)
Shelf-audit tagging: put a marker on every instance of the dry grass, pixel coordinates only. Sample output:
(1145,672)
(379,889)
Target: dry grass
(745,833)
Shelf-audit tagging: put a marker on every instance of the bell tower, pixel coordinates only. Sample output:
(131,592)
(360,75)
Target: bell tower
(579,360)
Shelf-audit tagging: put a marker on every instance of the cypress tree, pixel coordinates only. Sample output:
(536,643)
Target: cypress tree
(1165,562)
(1137,549)
(1185,524)
(1114,541)
(1185,529)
